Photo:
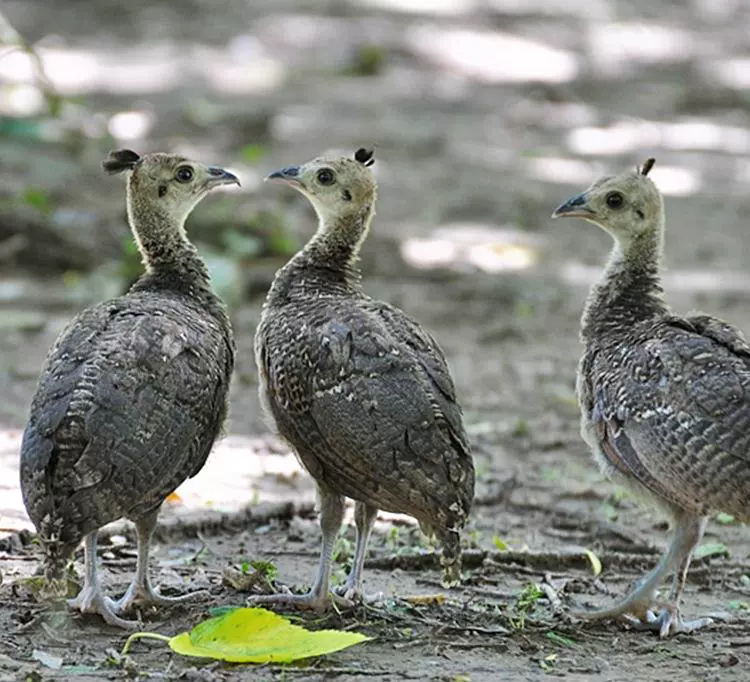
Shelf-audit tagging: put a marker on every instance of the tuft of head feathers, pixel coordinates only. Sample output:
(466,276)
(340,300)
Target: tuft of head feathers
(647,166)
(120,160)
(364,156)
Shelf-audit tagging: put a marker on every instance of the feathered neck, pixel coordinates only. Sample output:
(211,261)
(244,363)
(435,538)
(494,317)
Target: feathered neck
(630,288)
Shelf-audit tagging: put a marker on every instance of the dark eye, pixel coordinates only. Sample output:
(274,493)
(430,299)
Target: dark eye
(184,174)
(615,200)
(325,176)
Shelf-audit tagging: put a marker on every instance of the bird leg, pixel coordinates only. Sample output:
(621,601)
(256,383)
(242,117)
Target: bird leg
(364,519)
(331,518)
(637,608)
(91,599)
(140,592)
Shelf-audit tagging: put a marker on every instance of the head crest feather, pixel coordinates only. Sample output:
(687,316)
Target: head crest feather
(364,156)
(120,160)
(648,164)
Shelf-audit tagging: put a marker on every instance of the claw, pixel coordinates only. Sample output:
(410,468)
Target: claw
(309,601)
(145,595)
(667,622)
(91,600)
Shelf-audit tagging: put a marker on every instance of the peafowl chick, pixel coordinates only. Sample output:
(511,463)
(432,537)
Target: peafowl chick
(665,400)
(133,393)
(361,392)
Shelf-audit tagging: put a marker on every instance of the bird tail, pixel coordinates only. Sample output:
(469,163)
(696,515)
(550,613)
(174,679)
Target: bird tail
(451,558)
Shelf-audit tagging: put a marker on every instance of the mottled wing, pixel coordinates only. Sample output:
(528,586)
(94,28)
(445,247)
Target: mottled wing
(676,415)
(128,407)
(373,428)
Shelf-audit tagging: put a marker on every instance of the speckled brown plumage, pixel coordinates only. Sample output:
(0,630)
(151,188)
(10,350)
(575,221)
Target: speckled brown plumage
(665,400)
(133,393)
(361,392)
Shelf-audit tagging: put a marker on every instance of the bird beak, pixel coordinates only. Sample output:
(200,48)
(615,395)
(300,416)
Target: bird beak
(286,176)
(219,176)
(575,207)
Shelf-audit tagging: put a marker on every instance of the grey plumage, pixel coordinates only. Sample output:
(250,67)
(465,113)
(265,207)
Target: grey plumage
(361,392)
(133,393)
(665,400)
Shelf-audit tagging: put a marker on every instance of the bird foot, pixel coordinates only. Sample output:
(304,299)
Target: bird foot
(310,601)
(667,622)
(91,600)
(355,594)
(145,595)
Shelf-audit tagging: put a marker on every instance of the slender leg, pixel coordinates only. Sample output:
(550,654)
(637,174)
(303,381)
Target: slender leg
(637,607)
(140,591)
(331,518)
(91,598)
(364,518)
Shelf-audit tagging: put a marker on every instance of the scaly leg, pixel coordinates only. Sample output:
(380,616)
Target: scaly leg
(140,591)
(364,518)
(91,598)
(637,607)
(331,518)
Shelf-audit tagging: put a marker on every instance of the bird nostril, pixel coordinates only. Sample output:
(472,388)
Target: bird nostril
(215,171)
(292,171)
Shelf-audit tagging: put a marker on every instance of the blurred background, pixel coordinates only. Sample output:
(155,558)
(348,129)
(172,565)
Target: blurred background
(486,115)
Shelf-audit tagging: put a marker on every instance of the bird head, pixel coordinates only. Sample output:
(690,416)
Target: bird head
(337,187)
(625,205)
(168,181)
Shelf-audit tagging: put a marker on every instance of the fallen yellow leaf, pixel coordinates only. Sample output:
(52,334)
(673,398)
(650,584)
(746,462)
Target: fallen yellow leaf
(426,599)
(174,498)
(251,635)
(596,565)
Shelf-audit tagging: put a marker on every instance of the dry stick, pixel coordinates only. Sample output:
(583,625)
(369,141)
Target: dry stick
(212,522)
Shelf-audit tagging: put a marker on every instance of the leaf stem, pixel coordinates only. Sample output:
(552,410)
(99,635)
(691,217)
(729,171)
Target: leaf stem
(142,635)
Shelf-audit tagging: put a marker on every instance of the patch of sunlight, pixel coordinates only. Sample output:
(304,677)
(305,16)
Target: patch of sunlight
(676,181)
(733,73)
(131,125)
(476,245)
(12,512)
(560,171)
(591,9)
(433,7)
(703,134)
(618,138)
(241,67)
(493,57)
(686,281)
(618,47)
(21,100)
(627,136)
(239,470)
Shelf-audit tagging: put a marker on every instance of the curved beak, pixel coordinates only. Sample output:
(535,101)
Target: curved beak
(219,176)
(286,176)
(575,207)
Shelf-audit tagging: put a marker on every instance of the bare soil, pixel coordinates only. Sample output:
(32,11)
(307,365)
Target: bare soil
(460,141)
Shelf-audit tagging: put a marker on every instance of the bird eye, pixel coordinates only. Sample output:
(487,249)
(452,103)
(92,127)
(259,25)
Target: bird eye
(325,176)
(615,200)
(184,174)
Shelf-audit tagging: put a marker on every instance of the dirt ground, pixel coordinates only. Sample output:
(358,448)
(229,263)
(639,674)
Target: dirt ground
(486,116)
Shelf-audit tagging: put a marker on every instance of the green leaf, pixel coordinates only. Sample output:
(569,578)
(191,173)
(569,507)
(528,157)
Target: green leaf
(251,635)
(499,543)
(711,549)
(596,564)
(559,639)
(724,519)
(253,153)
(37,198)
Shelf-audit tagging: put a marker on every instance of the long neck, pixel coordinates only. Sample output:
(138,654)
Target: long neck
(169,258)
(336,244)
(630,288)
